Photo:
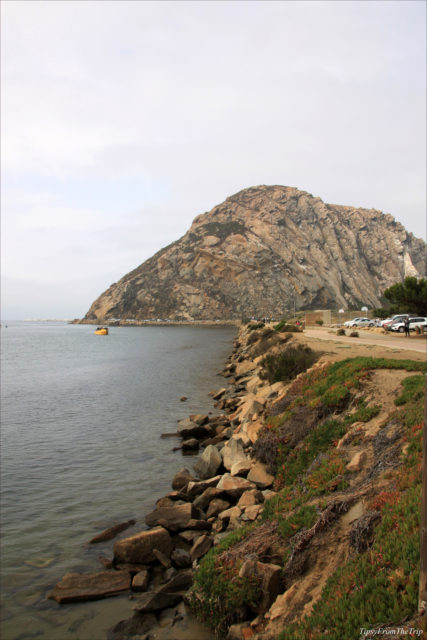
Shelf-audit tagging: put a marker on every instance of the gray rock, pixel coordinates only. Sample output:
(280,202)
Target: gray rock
(181,558)
(167,595)
(232,453)
(162,558)
(260,476)
(139,548)
(217,506)
(234,486)
(190,535)
(182,478)
(140,581)
(173,518)
(189,429)
(196,488)
(208,463)
(203,501)
(80,587)
(201,547)
(190,445)
(269,575)
(241,468)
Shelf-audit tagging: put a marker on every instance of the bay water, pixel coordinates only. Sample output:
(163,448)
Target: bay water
(82,417)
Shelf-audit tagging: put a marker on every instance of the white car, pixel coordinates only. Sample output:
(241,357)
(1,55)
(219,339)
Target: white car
(349,323)
(361,322)
(386,324)
(418,321)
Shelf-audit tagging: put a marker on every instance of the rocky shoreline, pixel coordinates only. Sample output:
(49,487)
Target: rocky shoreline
(226,490)
(286,547)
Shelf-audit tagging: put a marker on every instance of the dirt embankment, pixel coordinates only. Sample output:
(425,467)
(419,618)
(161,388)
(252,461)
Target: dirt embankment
(339,484)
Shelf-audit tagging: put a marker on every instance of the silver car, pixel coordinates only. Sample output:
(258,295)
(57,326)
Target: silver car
(362,322)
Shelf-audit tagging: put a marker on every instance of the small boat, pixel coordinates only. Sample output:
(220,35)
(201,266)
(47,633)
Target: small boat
(101,331)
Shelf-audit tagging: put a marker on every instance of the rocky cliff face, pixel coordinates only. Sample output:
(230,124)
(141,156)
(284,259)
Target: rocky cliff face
(262,250)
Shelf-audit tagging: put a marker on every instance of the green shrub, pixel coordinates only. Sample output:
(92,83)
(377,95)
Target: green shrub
(354,334)
(256,325)
(266,344)
(285,327)
(219,597)
(341,332)
(287,364)
(319,322)
(265,449)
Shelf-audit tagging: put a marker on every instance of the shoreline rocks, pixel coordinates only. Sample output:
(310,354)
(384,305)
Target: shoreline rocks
(224,491)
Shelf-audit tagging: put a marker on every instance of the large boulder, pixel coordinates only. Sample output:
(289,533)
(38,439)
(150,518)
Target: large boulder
(260,476)
(206,498)
(249,498)
(191,444)
(199,418)
(187,428)
(181,558)
(244,367)
(80,587)
(241,468)
(182,478)
(269,577)
(231,517)
(252,428)
(168,595)
(196,488)
(201,547)
(208,463)
(232,453)
(234,486)
(252,513)
(217,506)
(173,518)
(249,408)
(139,548)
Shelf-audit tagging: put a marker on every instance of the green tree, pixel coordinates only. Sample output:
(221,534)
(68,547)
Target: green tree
(381,312)
(409,295)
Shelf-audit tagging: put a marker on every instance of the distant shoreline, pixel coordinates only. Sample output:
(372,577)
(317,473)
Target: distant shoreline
(161,323)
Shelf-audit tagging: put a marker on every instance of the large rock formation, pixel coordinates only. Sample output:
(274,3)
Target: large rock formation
(262,251)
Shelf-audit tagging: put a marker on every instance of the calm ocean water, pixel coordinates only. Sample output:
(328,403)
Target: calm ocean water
(81,450)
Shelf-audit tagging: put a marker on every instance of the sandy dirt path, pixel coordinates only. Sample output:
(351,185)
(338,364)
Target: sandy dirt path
(415,344)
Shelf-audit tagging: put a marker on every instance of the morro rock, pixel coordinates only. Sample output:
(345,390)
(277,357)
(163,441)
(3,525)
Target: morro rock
(263,250)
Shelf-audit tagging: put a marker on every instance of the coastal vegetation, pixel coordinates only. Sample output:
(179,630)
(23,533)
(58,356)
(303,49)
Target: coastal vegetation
(409,295)
(301,444)
(287,364)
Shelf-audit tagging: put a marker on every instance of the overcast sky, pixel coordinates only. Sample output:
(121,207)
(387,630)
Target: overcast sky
(122,121)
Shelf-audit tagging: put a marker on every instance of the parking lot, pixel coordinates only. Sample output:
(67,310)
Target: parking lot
(390,340)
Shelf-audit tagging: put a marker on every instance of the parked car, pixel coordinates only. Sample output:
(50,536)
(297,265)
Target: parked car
(415,321)
(361,322)
(349,323)
(365,322)
(397,318)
